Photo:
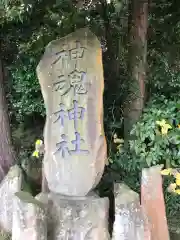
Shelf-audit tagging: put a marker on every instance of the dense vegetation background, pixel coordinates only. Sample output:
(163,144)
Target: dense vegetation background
(141,50)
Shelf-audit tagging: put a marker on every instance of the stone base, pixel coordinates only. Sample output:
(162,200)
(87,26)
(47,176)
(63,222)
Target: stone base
(77,219)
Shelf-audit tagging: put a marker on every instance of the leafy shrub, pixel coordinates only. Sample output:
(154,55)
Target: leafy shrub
(151,145)
(158,133)
(164,75)
(24,92)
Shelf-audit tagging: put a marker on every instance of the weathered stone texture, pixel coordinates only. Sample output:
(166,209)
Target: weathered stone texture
(130,221)
(8,187)
(83,218)
(71,78)
(152,200)
(29,219)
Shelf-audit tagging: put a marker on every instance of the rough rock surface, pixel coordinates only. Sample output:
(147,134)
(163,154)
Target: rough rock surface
(130,221)
(83,218)
(29,218)
(71,78)
(152,200)
(8,187)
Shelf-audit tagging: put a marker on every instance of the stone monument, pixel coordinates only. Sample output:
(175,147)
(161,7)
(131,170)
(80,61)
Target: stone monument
(71,78)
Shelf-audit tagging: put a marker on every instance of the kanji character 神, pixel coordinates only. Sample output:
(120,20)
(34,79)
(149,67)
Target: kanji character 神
(76,113)
(61,115)
(72,54)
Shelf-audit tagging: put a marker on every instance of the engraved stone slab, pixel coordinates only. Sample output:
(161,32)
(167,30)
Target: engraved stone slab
(46,199)
(8,187)
(83,218)
(71,78)
(152,200)
(29,218)
(130,221)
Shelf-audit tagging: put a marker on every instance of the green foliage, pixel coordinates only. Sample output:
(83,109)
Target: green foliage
(163,48)
(172,202)
(164,74)
(150,145)
(5,236)
(25,95)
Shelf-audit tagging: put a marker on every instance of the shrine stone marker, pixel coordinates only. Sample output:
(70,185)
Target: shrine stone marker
(71,78)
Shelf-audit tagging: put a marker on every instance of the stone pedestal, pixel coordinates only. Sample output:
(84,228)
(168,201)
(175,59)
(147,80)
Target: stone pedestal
(83,218)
